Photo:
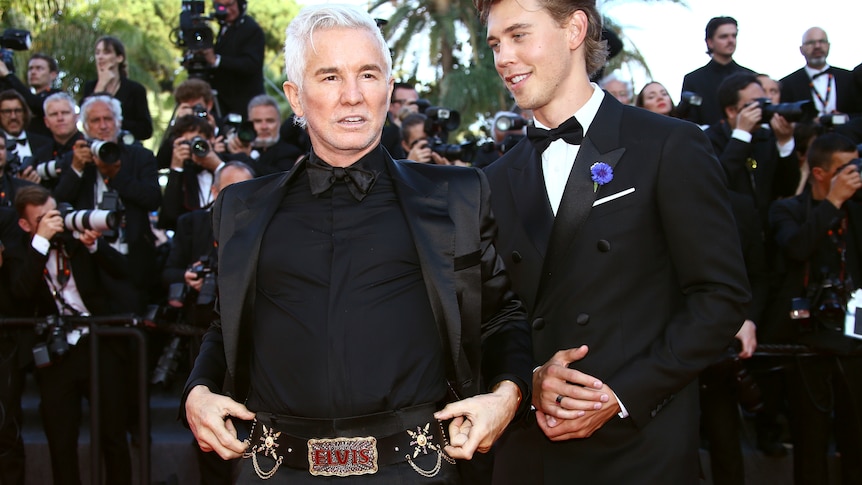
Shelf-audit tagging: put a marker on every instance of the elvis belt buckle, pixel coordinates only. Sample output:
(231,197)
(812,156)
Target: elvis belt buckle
(342,457)
(345,457)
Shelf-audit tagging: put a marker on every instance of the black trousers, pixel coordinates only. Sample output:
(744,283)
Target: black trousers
(11,387)
(719,424)
(62,385)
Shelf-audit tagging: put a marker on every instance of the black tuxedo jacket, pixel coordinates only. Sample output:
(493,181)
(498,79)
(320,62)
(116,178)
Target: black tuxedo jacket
(795,87)
(481,324)
(774,176)
(31,292)
(239,76)
(277,158)
(653,281)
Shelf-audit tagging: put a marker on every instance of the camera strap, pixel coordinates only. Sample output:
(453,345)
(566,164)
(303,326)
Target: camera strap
(63,275)
(824,100)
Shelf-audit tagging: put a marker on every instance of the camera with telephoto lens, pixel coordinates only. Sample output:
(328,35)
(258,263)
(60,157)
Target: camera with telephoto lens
(207,293)
(56,344)
(828,305)
(792,112)
(438,123)
(47,170)
(242,129)
(13,40)
(107,151)
(93,219)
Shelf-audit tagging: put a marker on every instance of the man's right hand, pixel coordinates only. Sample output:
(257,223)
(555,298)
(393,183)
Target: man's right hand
(208,417)
(420,152)
(844,184)
(563,392)
(81,155)
(748,118)
(50,224)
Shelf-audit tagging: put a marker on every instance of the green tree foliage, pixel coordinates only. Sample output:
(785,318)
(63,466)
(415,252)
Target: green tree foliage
(68,29)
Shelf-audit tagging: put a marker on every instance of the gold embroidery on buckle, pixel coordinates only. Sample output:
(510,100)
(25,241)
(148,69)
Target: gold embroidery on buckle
(342,457)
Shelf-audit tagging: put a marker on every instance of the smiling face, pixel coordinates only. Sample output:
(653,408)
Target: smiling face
(540,61)
(345,94)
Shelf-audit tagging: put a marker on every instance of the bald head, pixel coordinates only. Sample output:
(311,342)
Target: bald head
(815,47)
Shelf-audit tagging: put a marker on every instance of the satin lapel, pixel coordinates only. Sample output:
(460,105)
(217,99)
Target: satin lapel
(425,205)
(238,257)
(601,144)
(527,184)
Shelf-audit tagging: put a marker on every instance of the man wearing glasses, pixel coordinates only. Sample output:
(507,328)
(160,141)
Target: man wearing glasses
(24,146)
(830,88)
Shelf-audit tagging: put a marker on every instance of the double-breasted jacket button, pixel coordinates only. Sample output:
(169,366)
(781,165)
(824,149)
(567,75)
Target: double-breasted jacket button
(538,323)
(583,319)
(516,257)
(604,245)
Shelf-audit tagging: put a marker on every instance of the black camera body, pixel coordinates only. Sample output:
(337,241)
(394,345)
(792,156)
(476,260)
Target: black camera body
(438,123)
(207,293)
(856,162)
(14,164)
(56,344)
(199,145)
(792,112)
(195,35)
(242,129)
(508,123)
(13,40)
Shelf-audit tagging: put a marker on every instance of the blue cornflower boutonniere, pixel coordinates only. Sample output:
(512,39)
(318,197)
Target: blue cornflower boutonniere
(601,173)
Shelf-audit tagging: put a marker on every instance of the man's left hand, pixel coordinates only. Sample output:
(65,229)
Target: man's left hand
(479,420)
(580,427)
(782,128)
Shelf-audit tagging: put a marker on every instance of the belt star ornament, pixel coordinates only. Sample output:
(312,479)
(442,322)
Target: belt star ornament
(422,440)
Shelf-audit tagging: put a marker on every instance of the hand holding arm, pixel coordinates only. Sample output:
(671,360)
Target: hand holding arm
(583,426)
(478,421)
(208,414)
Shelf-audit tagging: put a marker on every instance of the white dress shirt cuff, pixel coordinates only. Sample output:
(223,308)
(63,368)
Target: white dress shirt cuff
(624,413)
(786,149)
(741,135)
(40,244)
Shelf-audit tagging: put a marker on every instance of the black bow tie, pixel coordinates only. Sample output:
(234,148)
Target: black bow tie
(20,141)
(322,176)
(571,132)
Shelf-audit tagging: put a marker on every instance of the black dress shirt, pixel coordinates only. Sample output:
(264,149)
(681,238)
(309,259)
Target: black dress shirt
(343,325)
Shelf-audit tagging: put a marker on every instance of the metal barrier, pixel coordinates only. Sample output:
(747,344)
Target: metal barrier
(106,326)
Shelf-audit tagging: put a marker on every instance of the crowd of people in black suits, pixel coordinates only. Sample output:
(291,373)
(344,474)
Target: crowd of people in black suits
(791,186)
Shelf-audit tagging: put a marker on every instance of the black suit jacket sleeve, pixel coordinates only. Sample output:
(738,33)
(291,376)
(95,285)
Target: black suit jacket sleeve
(506,342)
(141,184)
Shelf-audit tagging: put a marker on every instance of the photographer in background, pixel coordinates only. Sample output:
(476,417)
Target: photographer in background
(819,235)
(15,118)
(9,183)
(419,140)
(58,274)
(237,58)
(192,97)
(61,118)
(192,242)
(268,152)
(193,165)
(129,184)
(42,72)
(759,161)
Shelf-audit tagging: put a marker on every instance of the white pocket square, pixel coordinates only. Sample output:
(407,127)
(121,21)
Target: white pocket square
(614,196)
